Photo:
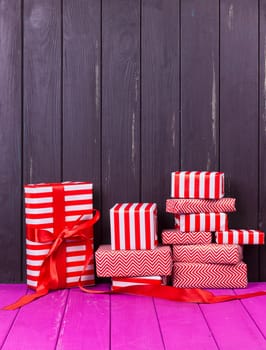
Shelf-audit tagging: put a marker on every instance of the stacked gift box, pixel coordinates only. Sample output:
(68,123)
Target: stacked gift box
(199,208)
(134,256)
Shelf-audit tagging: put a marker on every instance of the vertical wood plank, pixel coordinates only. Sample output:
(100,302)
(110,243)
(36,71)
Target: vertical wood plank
(120,105)
(239,115)
(159,101)
(82,94)
(200,85)
(10,140)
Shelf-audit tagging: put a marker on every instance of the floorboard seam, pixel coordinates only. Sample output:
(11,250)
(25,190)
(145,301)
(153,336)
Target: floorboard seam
(207,323)
(159,325)
(62,319)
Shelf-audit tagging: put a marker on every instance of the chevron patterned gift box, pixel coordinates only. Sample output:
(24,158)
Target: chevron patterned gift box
(240,237)
(201,222)
(133,226)
(210,253)
(197,184)
(132,263)
(187,206)
(183,238)
(196,275)
(133,281)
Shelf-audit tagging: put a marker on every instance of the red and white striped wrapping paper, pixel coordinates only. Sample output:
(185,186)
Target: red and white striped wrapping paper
(197,184)
(210,253)
(196,275)
(201,222)
(187,206)
(131,263)
(133,226)
(183,238)
(40,213)
(240,237)
(118,282)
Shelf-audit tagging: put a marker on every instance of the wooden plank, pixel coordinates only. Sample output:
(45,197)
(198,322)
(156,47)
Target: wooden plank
(193,332)
(9,293)
(200,85)
(37,324)
(86,322)
(262,138)
(120,105)
(82,95)
(159,102)
(239,115)
(10,140)
(231,326)
(134,323)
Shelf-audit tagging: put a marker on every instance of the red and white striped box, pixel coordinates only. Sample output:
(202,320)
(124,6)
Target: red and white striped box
(196,275)
(192,206)
(53,207)
(239,237)
(197,184)
(201,222)
(208,254)
(133,263)
(118,282)
(184,238)
(133,226)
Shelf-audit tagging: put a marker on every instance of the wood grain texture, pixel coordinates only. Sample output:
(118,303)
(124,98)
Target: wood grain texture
(199,85)
(10,140)
(120,105)
(82,95)
(159,102)
(239,115)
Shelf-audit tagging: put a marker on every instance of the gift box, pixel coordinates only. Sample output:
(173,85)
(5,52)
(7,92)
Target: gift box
(239,237)
(187,206)
(210,253)
(131,263)
(197,184)
(133,226)
(183,238)
(118,282)
(196,275)
(53,210)
(201,222)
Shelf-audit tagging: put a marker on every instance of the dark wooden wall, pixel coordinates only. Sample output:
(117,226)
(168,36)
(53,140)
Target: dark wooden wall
(121,93)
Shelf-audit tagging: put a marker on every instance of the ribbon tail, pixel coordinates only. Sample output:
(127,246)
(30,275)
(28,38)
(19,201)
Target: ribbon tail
(26,299)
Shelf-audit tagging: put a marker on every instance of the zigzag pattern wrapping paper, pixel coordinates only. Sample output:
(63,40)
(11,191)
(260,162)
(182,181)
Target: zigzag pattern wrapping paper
(183,238)
(130,263)
(134,281)
(201,222)
(193,275)
(240,237)
(197,184)
(187,206)
(211,253)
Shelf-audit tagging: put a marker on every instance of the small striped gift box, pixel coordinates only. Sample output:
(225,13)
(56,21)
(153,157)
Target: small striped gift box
(53,207)
(240,237)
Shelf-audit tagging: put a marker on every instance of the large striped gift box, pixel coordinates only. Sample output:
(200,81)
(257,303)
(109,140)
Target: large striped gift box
(53,207)
(133,263)
(187,206)
(209,253)
(183,238)
(197,184)
(201,222)
(133,226)
(197,275)
(240,237)
(118,282)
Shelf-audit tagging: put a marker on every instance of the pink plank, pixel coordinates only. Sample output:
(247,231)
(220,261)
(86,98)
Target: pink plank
(231,326)
(37,324)
(255,306)
(134,323)
(86,322)
(183,326)
(9,293)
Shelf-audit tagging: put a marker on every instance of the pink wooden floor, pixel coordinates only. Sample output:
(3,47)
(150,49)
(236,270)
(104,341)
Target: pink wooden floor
(70,319)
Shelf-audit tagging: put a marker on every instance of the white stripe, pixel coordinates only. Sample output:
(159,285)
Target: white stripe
(255,236)
(34,262)
(212,185)
(75,258)
(221,185)
(153,225)
(142,226)
(36,189)
(33,273)
(39,221)
(192,221)
(78,207)
(235,237)
(202,184)
(38,200)
(181,188)
(78,187)
(192,184)
(245,237)
(122,233)
(78,197)
(71,218)
(79,268)
(212,221)
(223,218)
(173,184)
(75,248)
(36,243)
(83,278)
(132,234)
(182,223)
(37,252)
(112,227)
(31,283)
(38,210)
